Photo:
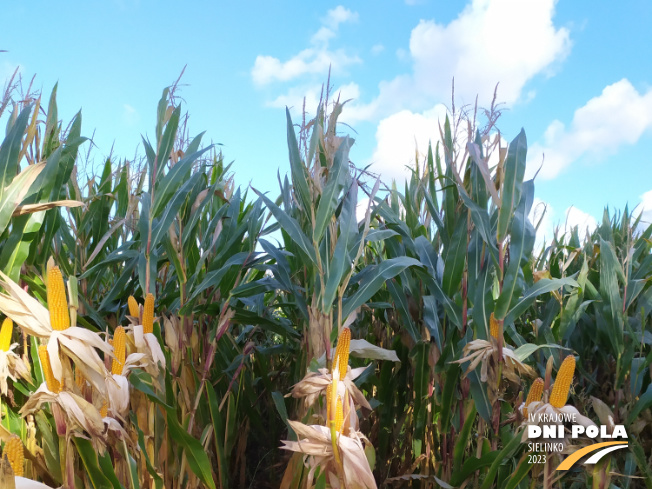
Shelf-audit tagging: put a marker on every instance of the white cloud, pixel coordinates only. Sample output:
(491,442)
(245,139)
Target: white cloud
(645,207)
(361,209)
(315,60)
(584,222)
(490,42)
(294,97)
(376,49)
(571,218)
(618,116)
(130,115)
(400,136)
(338,16)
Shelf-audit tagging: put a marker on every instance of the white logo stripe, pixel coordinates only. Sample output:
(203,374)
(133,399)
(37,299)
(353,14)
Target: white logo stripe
(595,458)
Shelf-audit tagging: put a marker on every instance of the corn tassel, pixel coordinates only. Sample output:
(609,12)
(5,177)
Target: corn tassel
(57,302)
(53,384)
(134,310)
(16,455)
(342,353)
(148,314)
(5,334)
(561,387)
(119,338)
(536,391)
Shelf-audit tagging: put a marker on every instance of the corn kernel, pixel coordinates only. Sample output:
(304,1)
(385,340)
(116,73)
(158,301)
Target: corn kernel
(134,310)
(53,384)
(342,353)
(16,455)
(329,398)
(536,391)
(563,381)
(148,314)
(494,326)
(5,334)
(118,350)
(339,415)
(104,410)
(57,302)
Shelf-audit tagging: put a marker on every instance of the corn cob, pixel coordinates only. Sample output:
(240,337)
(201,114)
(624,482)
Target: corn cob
(53,384)
(14,452)
(5,334)
(342,353)
(134,310)
(329,398)
(57,303)
(339,415)
(104,410)
(148,314)
(118,350)
(494,326)
(536,391)
(563,381)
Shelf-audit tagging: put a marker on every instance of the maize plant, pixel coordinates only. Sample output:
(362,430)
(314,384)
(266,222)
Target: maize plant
(163,327)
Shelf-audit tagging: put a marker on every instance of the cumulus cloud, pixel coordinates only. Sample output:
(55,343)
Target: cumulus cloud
(339,15)
(294,97)
(645,207)
(618,116)
(544,215)
(314,60)
(403,136)
(490,42)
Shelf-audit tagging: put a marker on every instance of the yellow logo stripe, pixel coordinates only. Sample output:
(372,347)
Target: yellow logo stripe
(575,456)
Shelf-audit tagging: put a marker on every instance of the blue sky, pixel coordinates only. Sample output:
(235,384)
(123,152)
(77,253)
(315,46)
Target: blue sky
(575,76)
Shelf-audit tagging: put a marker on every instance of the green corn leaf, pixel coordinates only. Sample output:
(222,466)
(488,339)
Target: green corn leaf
(541,287)
(299,176)
(196,456)
(338,177)
(89,458)
(376,276)
(290,226)
(511,189)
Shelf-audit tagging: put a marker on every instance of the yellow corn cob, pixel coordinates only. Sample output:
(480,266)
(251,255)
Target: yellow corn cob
(494,326)
(148,314)
(57,303)
(339,415)
(536,391)
(329,398)
(563,381)
(342,353)
(134,310)
(5,334)
(104,410)
(15,454)
(52,383)
(118,350)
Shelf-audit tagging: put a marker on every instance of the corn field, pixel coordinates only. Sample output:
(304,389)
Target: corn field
(164,327)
